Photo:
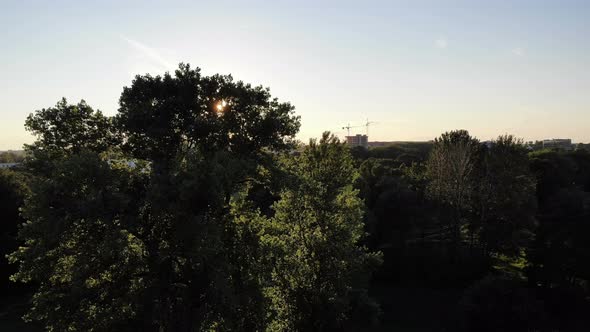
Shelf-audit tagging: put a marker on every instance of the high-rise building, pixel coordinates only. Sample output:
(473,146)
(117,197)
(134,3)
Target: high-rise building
(358,140)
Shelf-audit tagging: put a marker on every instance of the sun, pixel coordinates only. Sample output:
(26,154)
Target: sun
(221,105)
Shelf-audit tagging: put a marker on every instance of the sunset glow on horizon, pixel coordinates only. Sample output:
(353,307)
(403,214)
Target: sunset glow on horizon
(417,69)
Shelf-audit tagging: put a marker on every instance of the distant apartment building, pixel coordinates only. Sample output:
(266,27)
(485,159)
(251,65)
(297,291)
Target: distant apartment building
(358,140)
(558,143)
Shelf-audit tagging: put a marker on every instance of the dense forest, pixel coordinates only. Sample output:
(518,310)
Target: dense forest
(195,209)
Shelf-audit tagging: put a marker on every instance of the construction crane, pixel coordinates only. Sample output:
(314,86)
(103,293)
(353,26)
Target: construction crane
(367,125)
(348,127)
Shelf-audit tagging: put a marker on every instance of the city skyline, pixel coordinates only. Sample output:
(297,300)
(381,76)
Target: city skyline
(417,70)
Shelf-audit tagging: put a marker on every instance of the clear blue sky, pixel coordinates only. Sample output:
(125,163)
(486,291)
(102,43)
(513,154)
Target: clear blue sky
(417,68)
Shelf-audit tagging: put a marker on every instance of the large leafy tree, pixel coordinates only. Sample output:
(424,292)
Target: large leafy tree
(451,167)
(134,222)
(505,200)
(67,129)
(165,117)
(487,188)
(204,137)
(80,246)
(320,272)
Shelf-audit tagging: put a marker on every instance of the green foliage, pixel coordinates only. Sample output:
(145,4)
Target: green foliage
(69,128)
(14,188)
(452,168)
(146,232)
(320,273)
(506,197)
(487,190)
(499,304)
(63,130)
(560,252)
(504,304)
(12,157)
(185,213)
(176,240)
(402,152)
(527,213)
(163,117)
(395,201)
(79,247)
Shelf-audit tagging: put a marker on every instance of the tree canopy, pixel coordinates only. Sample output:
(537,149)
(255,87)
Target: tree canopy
(150,220)
(320,273)
(194,208)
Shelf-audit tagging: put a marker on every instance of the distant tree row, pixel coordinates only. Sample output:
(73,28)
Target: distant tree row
(12,157)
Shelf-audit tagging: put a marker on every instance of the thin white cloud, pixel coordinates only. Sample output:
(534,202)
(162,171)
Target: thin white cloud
(441,42)
(148,52)
(518,51)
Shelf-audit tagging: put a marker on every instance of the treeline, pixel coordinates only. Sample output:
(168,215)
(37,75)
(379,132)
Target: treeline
(190,210)
(12,157)
(508,228)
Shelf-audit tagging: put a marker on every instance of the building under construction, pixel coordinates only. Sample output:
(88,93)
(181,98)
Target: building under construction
(358,140)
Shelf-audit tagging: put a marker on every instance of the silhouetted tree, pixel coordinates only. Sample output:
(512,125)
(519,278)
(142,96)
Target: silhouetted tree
(506,198)
(131,224)
(561,250)
(13,191)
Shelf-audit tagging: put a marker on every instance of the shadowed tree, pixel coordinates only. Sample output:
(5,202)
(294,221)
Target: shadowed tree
(506,197)
(145,237)
(13,191)
(559,255)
